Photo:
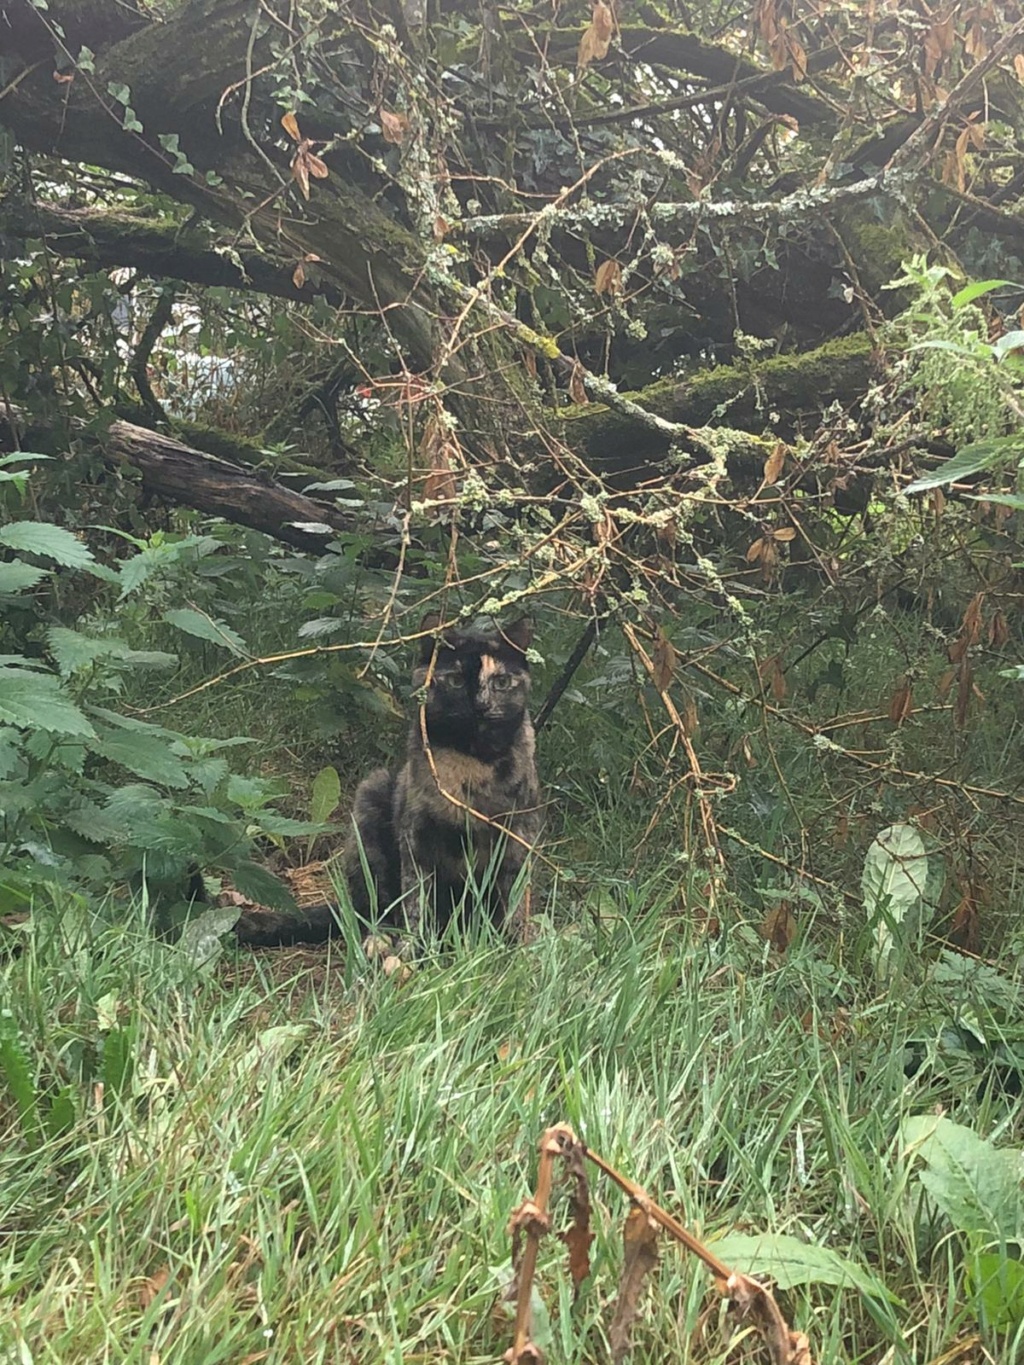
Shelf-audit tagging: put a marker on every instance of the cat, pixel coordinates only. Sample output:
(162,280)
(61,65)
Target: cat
(463,810)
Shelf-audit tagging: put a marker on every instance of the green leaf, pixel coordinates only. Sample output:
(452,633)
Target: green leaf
(996,1283)
(36,701)
(791,1262)
(970,292)
(147,756)
(976,1185)
(895,882)
(17,1073)
(90,822)
(73,651)
(972,459)
(261,886)
(1013,500)
(205,628)
(16,576)
(201,938)
(60,1117)
(20,456)
(50,542)
(117,1063)
(325,796)
(1008,344)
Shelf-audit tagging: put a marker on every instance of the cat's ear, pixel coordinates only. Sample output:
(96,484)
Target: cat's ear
(430,623)
(519,634)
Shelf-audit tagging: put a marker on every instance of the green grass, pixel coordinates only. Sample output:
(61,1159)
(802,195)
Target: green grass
(303,1162)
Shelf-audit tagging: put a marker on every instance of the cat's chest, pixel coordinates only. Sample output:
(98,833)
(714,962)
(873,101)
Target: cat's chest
(463,775)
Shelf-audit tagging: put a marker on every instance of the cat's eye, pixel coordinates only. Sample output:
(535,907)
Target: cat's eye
(503,681)
(447,680)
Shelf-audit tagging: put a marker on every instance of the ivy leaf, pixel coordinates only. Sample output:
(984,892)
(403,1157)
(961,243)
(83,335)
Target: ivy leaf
(206,628)
(36,701)
(47,541)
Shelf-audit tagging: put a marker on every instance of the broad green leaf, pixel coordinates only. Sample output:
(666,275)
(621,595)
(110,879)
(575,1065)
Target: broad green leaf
(996,1283)
(205,628)
(36,701)
(269,822)
(972,459)
(201,938)
(1009,343)
(1013,500)
(791,1262)
(50,542)
(970,292)
(90,822)
(895,883)
(147,756)
(16,575)
(72,651)
(262,886)
(325,796)
(976,1185)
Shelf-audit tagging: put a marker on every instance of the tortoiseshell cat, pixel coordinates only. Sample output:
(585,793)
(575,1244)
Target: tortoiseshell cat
(463,810)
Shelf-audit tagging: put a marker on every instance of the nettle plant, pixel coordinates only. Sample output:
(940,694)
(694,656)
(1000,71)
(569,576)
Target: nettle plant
(93,798)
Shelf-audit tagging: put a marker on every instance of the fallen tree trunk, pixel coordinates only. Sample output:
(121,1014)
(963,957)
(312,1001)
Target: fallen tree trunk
(184,476)
(176,472)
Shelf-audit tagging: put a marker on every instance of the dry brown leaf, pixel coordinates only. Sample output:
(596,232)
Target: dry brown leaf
(439,452)
(772,677)
(299,276)
(530,361)
(690,717)
(1018,67)
(901,703)
(63,77)
(944,684)
(153,1287)
(797,57)
(291,126)
(608,278)
(577,391)
(640,1240)
(664,661)
(756,550)
(965,927)
(578,1237)
(597,37)
(998,630)
(784,534)
(971,624)
(775,463)
(779,927)
(964,692)
(938,44)
(441,228)
(752,1301)
(393,127)
(300,173)
(317,168)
